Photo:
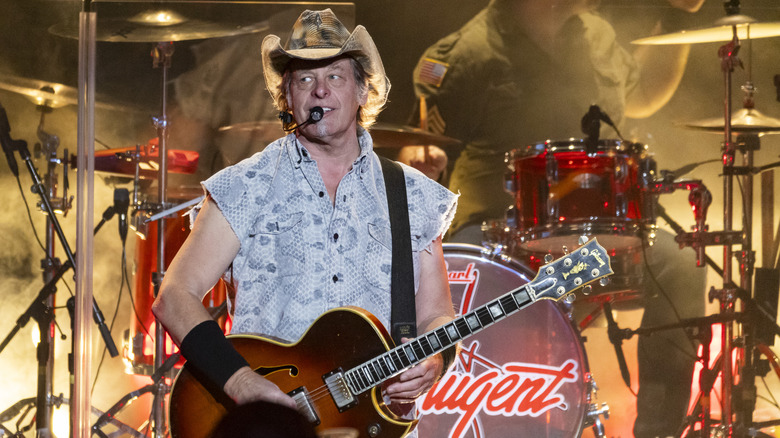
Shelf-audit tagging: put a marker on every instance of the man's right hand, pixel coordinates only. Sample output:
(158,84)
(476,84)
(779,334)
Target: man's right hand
(246,386)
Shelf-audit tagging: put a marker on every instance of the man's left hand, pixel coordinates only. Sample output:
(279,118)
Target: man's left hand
(416,381)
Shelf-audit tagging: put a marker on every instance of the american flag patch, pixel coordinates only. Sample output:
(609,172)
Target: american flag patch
(432,72)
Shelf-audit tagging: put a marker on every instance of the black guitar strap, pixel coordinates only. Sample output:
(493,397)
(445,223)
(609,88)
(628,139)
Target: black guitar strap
(403,319)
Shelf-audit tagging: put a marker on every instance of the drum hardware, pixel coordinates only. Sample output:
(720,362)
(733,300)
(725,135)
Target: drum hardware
(595,411)
(23,407)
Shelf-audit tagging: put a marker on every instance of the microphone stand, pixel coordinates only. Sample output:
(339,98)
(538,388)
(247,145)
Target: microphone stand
(42,308)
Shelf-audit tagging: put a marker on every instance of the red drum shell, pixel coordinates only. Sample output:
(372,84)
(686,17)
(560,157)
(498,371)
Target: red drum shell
(139,345)
(563,192)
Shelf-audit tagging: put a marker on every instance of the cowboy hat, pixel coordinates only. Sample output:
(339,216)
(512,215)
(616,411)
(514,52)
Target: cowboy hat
(318,35)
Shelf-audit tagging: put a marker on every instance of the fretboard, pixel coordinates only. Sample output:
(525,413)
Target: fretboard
(376,371)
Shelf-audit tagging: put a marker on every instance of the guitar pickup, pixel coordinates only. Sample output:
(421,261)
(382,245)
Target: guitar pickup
(305,406)
(337,387)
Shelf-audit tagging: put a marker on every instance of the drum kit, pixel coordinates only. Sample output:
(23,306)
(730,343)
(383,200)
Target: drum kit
(609,189)
(562,190)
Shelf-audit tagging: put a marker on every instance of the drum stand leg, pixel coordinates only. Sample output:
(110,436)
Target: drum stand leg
(595,412)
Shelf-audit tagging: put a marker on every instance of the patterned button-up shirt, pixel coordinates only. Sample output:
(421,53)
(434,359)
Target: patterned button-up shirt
(300,254)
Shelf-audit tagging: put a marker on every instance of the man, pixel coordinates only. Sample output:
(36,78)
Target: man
(524,71)
(521,72)
(303,226)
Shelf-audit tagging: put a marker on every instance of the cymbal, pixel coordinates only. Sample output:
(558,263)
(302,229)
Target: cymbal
(157,26)
(385,135)
(746,120)
(723,30)
(50,94)
(262,127)
(389,136)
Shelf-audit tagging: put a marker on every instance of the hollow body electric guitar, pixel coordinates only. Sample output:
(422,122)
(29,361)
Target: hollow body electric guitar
(335,370)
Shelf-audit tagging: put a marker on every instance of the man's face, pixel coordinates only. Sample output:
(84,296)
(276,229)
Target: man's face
(329,84)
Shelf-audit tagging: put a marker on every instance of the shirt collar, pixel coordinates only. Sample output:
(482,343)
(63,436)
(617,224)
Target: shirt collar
(298,152)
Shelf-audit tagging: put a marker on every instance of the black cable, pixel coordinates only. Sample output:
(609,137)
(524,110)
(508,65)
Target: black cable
(113,318)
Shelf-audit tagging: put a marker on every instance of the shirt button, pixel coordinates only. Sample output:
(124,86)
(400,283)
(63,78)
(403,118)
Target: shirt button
(336,236)
(322,194)
(335,278)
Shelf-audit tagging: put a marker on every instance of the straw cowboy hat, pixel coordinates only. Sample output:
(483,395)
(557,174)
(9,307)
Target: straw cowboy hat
(318,35)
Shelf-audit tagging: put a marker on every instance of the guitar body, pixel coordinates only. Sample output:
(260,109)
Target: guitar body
(339,339)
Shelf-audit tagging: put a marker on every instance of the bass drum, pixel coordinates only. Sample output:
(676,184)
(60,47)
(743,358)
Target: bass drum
(526,376)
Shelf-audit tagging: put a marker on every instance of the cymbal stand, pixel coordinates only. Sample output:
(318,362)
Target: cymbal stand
(50,264)
(161,56)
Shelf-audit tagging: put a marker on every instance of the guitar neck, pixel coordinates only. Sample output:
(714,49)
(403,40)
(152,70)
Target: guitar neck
(554,281)
(380,369)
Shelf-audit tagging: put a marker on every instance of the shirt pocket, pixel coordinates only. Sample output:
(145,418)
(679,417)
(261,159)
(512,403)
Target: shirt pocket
(377,265)
(278,245)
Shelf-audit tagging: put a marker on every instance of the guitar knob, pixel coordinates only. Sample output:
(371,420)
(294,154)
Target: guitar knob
(548,258)
(374,429)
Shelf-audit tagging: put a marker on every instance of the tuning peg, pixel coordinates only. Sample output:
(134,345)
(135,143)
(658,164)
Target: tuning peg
(604,281)
(587,289)
(569,299)
(548,258)
(582,240)
(565,249)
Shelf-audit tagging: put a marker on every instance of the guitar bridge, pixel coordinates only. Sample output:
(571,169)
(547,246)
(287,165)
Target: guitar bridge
(305,406)
(337,387)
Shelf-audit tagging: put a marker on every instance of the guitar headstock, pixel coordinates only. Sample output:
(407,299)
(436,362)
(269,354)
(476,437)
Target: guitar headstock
(563,276)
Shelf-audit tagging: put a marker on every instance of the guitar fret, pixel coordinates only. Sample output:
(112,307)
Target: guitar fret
(355,383)
(387,364)
(399,364)
(367,375)
(484,316)
(496,312)
(452,333)
(362,378)
(473,321)
(463,327)
(383,371)
(508,304)
(418,350)
(426,346)
(522,297)
(433,340)
(373,372)
(391,363)
(409,351)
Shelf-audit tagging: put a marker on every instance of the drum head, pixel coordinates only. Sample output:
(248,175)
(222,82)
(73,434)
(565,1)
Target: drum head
(523,376)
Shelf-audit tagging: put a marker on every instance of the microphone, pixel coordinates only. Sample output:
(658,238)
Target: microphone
(591,125)
(315,114)
(9,146)
(616,338)
(121,203)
